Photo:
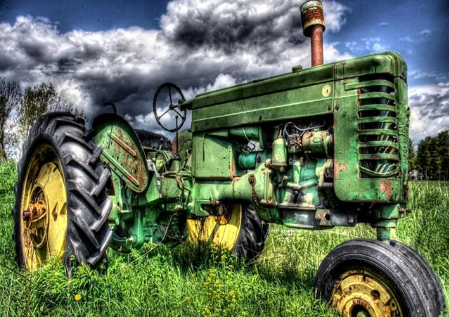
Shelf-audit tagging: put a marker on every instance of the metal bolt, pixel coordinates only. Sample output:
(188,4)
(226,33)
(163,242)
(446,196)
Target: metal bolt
(337,107)
(351,220)
(26,215)
(251,180)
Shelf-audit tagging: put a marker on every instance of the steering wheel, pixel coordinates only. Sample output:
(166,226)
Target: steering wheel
(173,109)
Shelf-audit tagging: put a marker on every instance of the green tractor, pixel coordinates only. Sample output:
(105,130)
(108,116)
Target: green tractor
(311,149)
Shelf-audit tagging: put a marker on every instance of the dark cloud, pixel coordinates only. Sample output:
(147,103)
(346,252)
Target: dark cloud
(67,65)
(209,45)
(431,105)
(429,110)
(234,25)
(230,26)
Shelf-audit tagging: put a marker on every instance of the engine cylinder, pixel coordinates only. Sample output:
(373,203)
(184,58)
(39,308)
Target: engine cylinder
(279,160)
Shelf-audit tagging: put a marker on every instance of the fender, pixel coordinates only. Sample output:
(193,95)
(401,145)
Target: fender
(122,151)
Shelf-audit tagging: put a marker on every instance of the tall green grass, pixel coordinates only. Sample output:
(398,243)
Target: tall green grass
(204,282)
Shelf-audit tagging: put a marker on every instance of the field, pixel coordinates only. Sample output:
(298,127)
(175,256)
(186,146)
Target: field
(158,281)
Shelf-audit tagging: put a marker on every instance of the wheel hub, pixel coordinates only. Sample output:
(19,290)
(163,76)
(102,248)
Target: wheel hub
(36,220)
(44,209)
(363,295)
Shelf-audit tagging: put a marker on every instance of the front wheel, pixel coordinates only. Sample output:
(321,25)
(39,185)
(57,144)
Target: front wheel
(369,278)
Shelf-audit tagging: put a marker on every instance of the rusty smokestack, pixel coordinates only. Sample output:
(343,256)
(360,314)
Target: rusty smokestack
(313,26)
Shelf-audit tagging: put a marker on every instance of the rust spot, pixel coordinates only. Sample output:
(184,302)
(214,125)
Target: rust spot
(405,192)
(234,182)
(180,143)
(232,167)
(340,167)
(386,187)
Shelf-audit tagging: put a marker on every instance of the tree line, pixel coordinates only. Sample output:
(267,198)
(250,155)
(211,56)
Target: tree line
(20,109)
(431,160)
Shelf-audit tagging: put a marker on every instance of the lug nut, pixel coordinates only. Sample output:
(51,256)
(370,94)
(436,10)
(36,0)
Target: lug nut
(26,215)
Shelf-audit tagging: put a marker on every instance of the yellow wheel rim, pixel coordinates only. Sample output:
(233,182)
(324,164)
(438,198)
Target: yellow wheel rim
(43,209)
(218,230)
(361,293)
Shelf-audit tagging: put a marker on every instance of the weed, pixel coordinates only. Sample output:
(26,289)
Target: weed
(201,281)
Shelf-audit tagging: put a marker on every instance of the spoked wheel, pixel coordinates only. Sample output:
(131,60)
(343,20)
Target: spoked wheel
(61,202)
(168,107)
(240,230)
(369,278)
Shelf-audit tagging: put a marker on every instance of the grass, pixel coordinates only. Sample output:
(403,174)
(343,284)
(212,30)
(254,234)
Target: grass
(190,282)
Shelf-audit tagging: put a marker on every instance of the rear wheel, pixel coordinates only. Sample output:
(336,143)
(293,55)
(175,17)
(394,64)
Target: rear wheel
(61,204)
(240,230)
(370,278)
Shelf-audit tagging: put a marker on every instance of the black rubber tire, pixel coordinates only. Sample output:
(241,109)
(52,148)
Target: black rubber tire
(406,279)
(253,232)
(88,206)
(432,282)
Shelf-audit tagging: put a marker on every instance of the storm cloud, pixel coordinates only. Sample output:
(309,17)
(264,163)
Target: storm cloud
(234,25)
(429,106)
(201,45)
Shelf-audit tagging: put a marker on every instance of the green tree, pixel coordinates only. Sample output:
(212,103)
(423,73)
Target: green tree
(36,102)
(437,163)
(411,156)
(39,100)
(10,98)
(424,158)
(443,153)
(432,157)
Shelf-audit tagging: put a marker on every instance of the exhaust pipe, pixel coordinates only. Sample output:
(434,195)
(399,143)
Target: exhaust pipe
(313,26)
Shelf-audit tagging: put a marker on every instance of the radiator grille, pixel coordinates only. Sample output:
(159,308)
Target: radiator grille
(377,126)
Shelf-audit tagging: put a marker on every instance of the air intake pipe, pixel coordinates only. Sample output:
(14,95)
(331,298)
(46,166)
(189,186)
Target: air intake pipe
(313,26)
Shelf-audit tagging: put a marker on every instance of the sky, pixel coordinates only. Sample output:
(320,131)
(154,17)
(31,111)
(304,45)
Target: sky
(121,51)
